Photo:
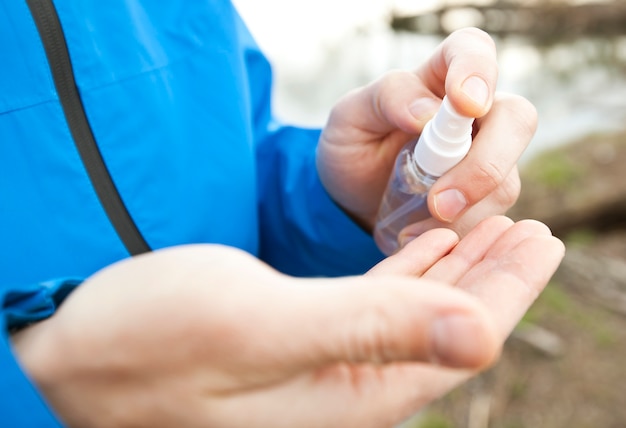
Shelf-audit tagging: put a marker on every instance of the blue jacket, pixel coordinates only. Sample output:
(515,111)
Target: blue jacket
(130,125)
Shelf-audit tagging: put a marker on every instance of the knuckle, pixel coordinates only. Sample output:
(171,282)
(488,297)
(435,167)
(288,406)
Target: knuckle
(371,335)
(383,88)
(391,81)
(522,112)
(488,176)
(509,191)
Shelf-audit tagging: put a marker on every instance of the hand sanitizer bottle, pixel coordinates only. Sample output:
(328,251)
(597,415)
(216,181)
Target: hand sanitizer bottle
(444,142)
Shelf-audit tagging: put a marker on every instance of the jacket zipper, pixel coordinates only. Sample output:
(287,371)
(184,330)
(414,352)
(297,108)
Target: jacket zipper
(55,46)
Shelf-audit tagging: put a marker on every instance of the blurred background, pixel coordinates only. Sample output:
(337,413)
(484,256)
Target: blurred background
(564,366)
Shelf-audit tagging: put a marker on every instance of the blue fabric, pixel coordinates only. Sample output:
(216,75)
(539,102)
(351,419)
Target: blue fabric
(21,405)
(35,302)
(178,98)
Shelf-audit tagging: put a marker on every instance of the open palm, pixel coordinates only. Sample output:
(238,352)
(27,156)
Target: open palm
(203,336)
(501,264)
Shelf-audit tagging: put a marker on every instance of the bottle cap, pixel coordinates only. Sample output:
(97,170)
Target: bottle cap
(445,140)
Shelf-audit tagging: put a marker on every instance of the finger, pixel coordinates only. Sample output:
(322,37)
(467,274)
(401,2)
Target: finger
(419,254)
(367,395)
(513,274)
(415,230)
(465,68)
(493,239)
(400,103)
(496,203)
(470,250)
(385,115)
(509,283)
(382,319)
(502,137)
(515,235)
(397,100)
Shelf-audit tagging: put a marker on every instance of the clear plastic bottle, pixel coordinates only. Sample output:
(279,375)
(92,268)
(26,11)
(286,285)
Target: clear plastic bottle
(445,140)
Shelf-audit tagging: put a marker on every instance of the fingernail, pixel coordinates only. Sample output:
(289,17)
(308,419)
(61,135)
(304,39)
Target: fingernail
(449,204)
(476,89)
(411,232)
(404,239)
(458,341)
(423,109)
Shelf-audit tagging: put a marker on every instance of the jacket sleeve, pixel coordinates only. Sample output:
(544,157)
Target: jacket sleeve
(21,405)
(302,231)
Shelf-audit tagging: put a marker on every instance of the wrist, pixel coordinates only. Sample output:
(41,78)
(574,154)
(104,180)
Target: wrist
(32,350)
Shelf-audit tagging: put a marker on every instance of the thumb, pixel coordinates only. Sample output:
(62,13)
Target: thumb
(386,319)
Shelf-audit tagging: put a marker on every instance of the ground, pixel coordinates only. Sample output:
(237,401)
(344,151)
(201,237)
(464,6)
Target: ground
(565,365)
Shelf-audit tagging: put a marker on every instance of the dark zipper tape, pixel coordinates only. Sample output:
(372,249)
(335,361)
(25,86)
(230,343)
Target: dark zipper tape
(53,39)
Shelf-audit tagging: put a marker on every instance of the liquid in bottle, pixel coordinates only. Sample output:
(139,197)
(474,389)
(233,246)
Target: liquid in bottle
(444,142)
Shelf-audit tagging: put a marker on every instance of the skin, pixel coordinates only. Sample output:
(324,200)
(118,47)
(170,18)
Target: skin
(369,126)
(201,336)
(207,335)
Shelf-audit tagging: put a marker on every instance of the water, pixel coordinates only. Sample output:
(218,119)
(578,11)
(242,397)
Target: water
(578,87)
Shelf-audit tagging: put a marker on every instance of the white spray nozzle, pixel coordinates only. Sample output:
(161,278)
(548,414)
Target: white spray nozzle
(445,140)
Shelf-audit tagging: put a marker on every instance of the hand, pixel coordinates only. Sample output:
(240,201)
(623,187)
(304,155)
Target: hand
(203,336)
(369,126)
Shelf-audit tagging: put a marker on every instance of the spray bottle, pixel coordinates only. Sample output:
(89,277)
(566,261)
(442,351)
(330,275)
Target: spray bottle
(444,142)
